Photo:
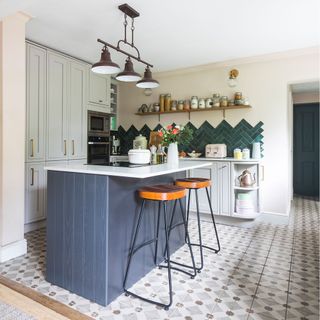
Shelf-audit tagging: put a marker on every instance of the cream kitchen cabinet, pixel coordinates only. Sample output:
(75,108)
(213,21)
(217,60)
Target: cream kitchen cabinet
(220,191)
(35,187)
(99,92)
(66,108)
(36,103)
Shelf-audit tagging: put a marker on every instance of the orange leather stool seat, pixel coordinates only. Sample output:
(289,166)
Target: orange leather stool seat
(193,183)
(162,192)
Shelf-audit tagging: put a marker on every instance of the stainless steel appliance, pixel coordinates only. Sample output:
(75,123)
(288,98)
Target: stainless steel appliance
(98,124)
(98,138)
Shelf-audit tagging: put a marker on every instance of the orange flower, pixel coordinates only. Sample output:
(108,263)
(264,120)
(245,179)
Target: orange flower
(175,131)
(160,133)
(169,127)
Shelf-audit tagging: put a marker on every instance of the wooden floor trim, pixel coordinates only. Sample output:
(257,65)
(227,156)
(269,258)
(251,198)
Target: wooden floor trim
(44,300)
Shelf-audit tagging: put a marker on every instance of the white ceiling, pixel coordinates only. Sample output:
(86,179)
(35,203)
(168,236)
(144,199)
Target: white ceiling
(173,34)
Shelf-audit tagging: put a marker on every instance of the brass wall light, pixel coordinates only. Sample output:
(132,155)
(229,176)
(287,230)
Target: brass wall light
(232,81)
(107,66)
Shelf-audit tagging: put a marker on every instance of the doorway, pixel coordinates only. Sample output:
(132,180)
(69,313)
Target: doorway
(306,149)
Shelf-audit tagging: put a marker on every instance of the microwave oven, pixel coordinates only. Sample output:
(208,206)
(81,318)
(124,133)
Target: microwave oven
(98,123)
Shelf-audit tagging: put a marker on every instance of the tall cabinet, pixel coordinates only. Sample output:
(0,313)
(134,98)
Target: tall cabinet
(56,122)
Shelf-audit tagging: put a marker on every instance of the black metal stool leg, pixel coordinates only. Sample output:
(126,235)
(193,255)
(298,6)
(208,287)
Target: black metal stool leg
(214,225)
(188,211)
(199,232)
(157,235)
(133,245)
(166,307)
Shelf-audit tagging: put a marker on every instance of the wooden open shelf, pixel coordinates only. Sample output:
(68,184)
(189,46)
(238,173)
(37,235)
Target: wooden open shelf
(223,109)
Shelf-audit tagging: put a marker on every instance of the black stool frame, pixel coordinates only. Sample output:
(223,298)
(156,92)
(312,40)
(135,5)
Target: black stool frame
(134,249)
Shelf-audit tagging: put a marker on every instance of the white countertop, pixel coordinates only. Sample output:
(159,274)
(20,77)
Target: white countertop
(221,159)
(140,172)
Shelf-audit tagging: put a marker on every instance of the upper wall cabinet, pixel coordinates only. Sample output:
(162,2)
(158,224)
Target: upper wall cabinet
(36,103)
(66,108)
(99,92)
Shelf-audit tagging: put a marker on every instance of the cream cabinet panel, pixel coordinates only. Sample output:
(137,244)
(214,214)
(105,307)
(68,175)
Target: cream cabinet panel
(35,188)
(36,103)
(77,138)
(99,92)
(224,192)
(57,115)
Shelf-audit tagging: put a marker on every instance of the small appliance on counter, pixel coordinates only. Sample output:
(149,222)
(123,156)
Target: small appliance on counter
(115,145)
(140,142)
(139,156)
(216,151)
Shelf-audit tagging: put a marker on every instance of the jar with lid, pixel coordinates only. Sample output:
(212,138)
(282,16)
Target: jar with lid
(161,102)
(237,154)
(224,101)
(180,105)
(202,103)
(194,102)
(167,102)
(245,153)
(208,103)
(186,105)
(173,105)
(216,100)
(156,107)
(238,96)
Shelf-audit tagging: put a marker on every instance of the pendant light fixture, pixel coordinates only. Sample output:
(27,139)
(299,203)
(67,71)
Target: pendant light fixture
(147,81)
(128,74)
(106,66)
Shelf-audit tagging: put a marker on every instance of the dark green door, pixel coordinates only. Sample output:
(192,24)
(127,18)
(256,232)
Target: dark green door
(306,149)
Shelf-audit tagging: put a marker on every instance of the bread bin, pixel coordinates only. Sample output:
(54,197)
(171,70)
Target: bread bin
(139,156)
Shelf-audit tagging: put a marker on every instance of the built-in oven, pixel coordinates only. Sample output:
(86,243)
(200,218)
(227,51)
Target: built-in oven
(98,150)
(98,123)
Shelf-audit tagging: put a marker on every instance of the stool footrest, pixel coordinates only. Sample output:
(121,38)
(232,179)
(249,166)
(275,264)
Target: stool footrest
(178,269)
(203,246)
(176,225)
(143,245)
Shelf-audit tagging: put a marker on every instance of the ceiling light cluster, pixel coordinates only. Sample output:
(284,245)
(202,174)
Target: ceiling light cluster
(107,66)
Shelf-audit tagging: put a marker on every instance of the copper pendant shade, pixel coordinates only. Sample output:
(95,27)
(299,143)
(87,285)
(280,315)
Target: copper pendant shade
(147,82)
(105,65)
(128,74)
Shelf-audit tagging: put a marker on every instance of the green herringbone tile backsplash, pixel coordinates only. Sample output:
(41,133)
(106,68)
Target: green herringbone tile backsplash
(240,136)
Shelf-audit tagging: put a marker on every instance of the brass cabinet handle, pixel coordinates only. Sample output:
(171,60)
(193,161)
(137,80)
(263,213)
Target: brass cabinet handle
(73,147)
(32,177)
(100,100)
(32,148)
(65,147)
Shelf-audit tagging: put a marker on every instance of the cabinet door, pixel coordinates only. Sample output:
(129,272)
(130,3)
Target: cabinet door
(57,116)
(99,91)
(36,103)
(77,142)
(34,192)
(224,188)
(202,196)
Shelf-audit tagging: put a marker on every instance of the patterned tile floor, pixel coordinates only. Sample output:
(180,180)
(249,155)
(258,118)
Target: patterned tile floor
(267,271)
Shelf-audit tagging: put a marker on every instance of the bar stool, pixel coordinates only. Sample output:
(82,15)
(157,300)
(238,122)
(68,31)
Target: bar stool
(196,184)
(161,194)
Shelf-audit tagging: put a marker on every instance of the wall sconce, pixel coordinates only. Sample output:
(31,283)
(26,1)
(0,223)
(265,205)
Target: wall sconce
(232,81)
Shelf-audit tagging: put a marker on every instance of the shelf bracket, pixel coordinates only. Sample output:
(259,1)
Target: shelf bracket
(224,113)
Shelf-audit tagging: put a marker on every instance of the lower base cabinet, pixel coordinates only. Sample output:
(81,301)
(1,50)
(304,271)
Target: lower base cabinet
(225,189)
(36,188)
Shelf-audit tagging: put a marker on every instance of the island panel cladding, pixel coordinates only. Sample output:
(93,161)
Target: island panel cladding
(240,136)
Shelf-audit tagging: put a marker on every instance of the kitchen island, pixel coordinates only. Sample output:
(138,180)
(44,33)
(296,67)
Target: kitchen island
(91,213)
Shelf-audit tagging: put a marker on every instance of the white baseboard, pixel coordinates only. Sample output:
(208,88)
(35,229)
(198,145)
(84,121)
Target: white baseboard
(34,226)
(13,250)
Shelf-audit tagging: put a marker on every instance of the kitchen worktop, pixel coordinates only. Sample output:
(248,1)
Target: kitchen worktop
(220,159)
(140,172)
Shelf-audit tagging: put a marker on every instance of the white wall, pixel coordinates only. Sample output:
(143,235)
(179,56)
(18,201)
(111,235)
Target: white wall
(12,135)
(265,81)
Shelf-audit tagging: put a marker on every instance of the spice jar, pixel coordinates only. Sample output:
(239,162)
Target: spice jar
(161,100)
(202,103)
(173,105)
(238,96)
(216,100)
(167,102)
(224,101)
(208,103)
(180,105)
(194,102)
(237,154)
(186,105)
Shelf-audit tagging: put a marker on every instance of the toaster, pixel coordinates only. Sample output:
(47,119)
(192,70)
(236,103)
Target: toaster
(216,151)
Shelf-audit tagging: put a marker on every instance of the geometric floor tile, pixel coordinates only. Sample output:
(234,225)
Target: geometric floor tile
(268,271)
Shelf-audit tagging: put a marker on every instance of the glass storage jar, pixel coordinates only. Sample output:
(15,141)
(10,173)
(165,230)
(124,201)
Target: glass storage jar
(194,102)
(167,102)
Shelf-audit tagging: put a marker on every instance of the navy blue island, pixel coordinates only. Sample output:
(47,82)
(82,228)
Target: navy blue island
(91,214)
